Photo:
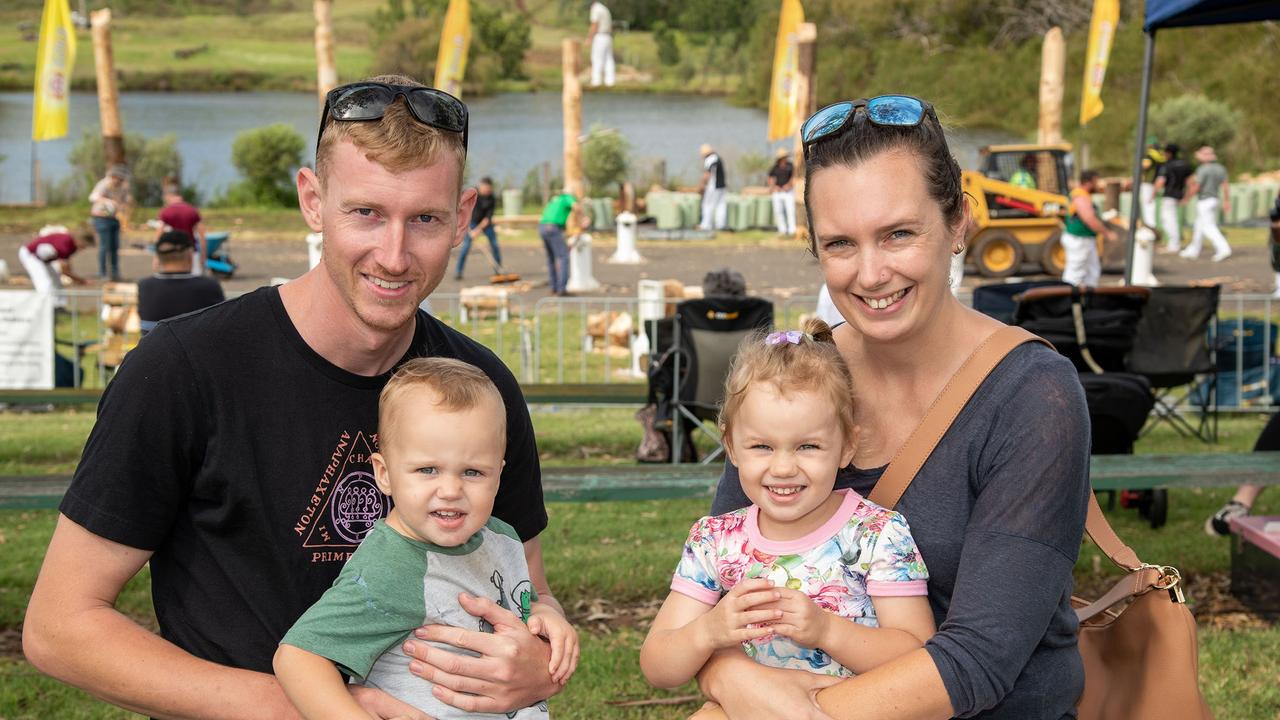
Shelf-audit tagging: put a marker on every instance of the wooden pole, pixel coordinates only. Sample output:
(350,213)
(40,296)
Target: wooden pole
(807,92)
(108,98)
(572,101)
(326,64)
(1053,67)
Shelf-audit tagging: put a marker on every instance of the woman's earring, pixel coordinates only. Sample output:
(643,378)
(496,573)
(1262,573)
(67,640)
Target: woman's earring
(959,248)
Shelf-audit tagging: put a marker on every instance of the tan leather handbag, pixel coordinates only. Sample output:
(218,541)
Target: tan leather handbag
(1138,641)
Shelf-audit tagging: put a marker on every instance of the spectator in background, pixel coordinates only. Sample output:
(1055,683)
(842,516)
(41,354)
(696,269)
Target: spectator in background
(1172,182)
(551,227)
(1025,176)
(481,221)
(178,214)
(1209,181)
(782,185)
(724,282)
(600,40)
(111,200)
(1080,234)
(714,209)
(174,290)
(1242,502)
(1152,160)
(48,257)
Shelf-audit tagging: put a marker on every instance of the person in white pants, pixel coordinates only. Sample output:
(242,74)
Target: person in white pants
(1083,267)
(48,257)
(1151,164)
(600,39)
(782,187)
(1171,183)
(1209,181)
(715,210)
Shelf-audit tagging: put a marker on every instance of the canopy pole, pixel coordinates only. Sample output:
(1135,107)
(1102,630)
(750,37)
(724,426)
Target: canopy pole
(1135,192)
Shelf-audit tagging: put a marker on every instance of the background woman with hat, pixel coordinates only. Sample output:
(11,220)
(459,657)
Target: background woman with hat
(111,199)
(782,185)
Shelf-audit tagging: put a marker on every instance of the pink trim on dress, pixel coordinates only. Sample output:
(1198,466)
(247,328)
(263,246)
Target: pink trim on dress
(695,591)
(828,530)
(906,588)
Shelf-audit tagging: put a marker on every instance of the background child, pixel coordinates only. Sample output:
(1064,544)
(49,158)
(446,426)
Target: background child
(805,577)
(441,431)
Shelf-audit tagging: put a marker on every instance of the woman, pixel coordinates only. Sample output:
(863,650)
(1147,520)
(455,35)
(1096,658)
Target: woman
(111,200)
(998,509)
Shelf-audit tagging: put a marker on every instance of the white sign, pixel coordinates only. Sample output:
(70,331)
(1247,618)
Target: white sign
(26,340)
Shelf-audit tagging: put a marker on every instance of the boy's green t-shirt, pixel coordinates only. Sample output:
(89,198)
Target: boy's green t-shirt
(557,210)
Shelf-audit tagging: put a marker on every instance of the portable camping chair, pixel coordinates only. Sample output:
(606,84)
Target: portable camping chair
(1096,328)
(998,300)
(1173,348)
(707,332)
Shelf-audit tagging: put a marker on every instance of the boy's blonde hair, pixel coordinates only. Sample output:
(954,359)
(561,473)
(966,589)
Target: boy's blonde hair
(815,365)
(457,386)
(397,141)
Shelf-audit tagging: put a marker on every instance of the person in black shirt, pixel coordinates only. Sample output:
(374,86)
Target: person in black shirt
(782,186)
(481,221)
(232,451)
(1171,182)
(173,290)
(713,189)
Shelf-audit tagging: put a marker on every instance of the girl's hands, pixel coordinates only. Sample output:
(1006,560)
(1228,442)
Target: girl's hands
(802,620)
(739,617)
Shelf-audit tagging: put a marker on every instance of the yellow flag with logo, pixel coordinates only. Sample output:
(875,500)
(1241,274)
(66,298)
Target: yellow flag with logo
(455,40)
(55,55)
(785,111)
(1106,13)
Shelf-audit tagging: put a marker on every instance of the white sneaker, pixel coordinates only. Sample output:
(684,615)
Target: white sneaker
(1219,257)
(1188,254)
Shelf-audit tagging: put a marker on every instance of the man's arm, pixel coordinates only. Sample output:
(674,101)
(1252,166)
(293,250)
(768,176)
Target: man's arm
(1226,197)
(64,267)
(74,632)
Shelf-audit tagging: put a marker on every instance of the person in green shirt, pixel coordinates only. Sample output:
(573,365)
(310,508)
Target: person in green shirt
(1024,176)
(555,216)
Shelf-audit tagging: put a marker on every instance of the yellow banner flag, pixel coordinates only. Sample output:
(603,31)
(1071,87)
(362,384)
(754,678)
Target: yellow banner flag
(1106,13)
(785,111)
(55,56)
(455,39)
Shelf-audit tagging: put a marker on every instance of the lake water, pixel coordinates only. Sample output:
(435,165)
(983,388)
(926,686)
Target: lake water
(511,133)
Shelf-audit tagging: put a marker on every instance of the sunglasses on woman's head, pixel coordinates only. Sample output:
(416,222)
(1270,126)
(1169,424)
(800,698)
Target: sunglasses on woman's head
(886,110)
(370,100)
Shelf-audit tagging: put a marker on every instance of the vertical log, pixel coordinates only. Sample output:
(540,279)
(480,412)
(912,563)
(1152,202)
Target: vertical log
(1053,66)
(326,64)
(108,98)
(807,92)
(572,101)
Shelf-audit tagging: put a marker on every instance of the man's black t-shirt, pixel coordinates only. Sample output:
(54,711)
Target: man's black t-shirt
(240,457)
(167,295)
(781,173)
(485,205)
(1175,174)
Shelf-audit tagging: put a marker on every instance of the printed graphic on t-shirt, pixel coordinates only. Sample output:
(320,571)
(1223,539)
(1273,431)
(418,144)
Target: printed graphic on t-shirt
(345,503)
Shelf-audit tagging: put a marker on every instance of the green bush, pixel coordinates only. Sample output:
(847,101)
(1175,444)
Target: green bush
(505,37)
(604,160)
(150,161)
(752,167)
(267,158)
(668,47)
(1195,120)
(407,41)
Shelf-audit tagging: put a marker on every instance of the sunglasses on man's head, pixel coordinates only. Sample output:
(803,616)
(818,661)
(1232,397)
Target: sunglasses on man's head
(886,110)
(370,100)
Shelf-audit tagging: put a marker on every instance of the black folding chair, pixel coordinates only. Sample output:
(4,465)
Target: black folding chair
(707,332)
(1175,347)
(998,300)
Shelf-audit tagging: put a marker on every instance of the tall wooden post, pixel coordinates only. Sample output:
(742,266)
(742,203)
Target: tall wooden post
(1053,66)
(807,92)
(108,98)
(572,101)
(326,65)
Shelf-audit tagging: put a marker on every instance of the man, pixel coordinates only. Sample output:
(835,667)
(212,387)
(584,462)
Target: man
(173,290)
(600,40)
(715,211)
(1080,233)
(551,228)
(1209,181)
(1024,176)
(1152,160)
(782,186)
(481,221)
(233,450)
(178,214)
(48,257)
(1172,184)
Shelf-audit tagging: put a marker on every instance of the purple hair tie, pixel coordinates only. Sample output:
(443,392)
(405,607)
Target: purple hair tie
(784,336)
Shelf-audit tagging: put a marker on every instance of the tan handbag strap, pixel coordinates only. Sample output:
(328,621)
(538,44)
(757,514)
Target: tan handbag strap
(1132,584)
(954,396)
(1106,539)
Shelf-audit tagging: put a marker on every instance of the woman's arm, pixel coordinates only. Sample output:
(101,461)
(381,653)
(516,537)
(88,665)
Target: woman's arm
(686,631)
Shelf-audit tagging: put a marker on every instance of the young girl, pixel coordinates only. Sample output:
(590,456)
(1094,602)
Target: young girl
(806,577)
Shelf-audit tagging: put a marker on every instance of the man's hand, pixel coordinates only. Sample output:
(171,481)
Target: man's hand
(740,616)
(803,620)
(511,672)
(547,622)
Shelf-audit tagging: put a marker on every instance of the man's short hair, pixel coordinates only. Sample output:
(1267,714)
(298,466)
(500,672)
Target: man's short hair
(173,243)
(1088,175)
(457,386)
(396,141)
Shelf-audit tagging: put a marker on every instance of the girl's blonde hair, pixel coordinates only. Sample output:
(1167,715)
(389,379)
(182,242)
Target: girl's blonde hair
(814,364)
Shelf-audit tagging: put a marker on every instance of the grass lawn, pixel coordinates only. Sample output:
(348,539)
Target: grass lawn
(610,563)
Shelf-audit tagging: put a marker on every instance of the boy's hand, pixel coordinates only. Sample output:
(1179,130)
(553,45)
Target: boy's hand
(733,620)
(803,620)
(381,705)
(545,621)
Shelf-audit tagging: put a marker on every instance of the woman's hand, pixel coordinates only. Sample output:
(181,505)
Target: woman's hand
(747,690)
(738,617)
